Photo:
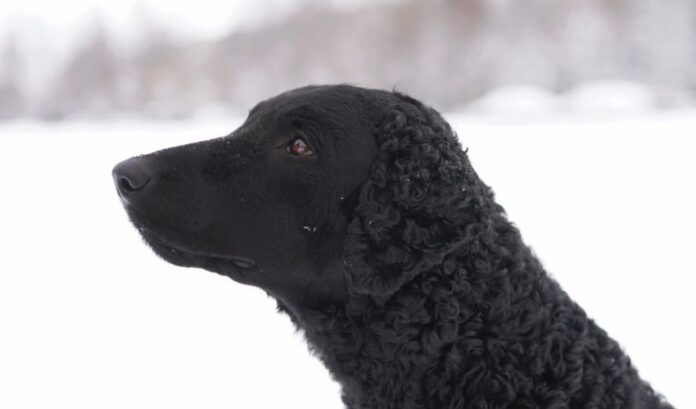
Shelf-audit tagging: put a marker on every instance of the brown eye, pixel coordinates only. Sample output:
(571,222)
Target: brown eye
(299,147)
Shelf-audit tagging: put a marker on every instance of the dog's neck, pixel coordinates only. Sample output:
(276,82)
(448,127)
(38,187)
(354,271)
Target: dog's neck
(433,328)
(470,328)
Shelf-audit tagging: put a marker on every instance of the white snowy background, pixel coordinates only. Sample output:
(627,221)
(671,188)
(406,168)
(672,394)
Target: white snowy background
(599,176)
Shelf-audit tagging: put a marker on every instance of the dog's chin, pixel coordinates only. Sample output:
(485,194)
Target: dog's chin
(236,267)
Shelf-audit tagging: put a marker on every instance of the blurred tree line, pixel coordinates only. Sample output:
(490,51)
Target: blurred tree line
(445,51)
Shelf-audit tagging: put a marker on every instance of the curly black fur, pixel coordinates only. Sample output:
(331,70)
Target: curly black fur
(439,303)
(449,308)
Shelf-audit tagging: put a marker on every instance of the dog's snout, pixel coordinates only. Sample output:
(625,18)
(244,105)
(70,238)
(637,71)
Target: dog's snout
(131,177)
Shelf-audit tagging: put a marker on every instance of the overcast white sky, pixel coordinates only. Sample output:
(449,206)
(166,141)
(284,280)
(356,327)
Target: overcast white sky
(199,18)
(48,31)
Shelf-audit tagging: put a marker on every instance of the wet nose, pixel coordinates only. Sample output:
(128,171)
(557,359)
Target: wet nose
(131,177)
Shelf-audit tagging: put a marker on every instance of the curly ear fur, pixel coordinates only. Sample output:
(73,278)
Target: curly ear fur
(422,201)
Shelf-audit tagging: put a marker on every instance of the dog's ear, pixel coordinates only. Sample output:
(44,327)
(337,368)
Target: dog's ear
(422,201)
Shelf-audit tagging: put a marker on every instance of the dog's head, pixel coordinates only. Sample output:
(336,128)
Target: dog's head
(322,192)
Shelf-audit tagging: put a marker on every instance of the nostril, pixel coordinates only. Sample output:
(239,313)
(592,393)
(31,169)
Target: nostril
(125,185)
(131,176)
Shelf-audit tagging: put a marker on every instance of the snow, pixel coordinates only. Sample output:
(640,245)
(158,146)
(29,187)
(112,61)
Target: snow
(610,98)
(593,100)
(516,101)
(89,317)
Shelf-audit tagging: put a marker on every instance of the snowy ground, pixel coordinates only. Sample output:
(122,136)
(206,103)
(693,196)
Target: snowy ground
(89,318)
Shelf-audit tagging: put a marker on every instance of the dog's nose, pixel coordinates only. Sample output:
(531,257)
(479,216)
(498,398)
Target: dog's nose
(130,177)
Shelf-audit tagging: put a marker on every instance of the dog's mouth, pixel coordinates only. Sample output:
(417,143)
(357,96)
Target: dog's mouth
(180,255)
(244,263)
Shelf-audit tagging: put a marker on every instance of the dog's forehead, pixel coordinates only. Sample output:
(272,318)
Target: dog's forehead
(341,101)
(307,100)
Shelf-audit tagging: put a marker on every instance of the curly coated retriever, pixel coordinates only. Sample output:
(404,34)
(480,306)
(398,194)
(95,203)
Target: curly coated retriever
(358,210)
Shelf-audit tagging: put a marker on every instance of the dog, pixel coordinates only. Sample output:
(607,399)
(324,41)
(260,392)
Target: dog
(360,213)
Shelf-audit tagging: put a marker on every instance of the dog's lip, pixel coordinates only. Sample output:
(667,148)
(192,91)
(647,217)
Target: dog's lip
(241,262)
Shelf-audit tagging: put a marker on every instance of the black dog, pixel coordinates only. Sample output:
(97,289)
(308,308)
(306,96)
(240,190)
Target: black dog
(360,213)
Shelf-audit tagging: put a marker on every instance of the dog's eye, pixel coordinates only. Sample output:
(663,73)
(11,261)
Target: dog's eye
(299,147)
